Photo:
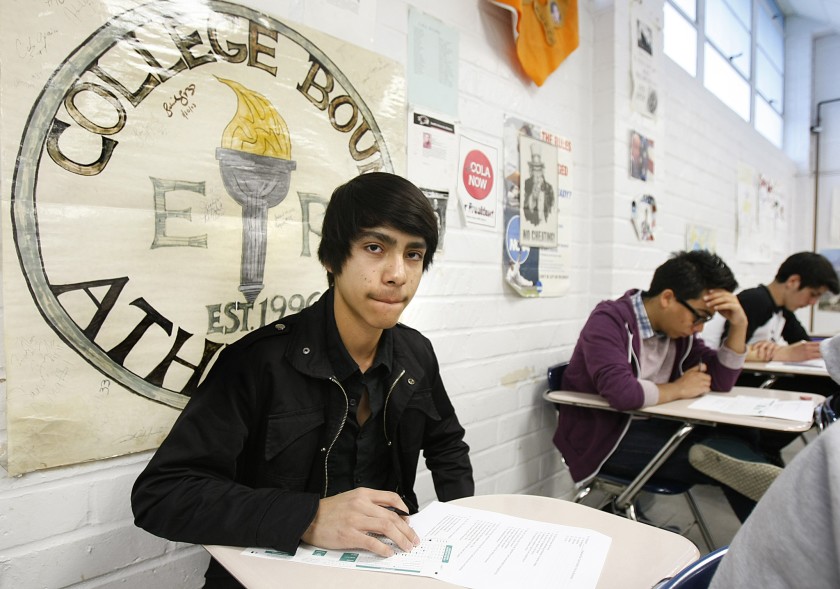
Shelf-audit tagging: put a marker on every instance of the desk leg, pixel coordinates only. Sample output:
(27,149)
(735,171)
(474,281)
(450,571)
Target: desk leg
(771,380)
(626,498)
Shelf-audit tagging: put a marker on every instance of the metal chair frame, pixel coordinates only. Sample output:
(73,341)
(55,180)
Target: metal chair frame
(622,492)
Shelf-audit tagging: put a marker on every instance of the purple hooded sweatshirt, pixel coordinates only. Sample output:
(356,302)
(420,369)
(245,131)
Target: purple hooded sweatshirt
(606,362)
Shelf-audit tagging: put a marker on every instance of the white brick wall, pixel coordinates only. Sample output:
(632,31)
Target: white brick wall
(73,526)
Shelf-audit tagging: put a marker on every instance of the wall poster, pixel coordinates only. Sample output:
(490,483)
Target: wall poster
(536,271)
(165,169)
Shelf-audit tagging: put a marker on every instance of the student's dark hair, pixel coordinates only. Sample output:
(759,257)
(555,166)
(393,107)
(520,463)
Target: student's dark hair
(814,270)
(375,199)
(688,274)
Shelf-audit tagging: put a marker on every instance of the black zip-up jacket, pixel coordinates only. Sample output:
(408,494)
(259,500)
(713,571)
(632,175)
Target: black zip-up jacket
(245,462)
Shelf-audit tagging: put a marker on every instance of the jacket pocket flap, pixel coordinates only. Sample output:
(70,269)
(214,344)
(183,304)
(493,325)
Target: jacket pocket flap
(423,401)
(284,429)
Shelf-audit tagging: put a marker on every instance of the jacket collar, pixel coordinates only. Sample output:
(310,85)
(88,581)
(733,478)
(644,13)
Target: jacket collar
(308,351)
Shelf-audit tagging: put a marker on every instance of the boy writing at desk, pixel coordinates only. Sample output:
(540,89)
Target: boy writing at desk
(311,428)
(641,350)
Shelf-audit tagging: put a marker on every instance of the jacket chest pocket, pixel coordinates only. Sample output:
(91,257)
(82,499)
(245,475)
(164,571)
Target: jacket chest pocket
(292,441)
(419,410)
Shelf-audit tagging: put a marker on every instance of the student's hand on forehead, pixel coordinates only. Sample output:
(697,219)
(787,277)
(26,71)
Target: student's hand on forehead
(727,304)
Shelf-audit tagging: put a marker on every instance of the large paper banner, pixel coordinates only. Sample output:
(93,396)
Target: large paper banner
(165,169)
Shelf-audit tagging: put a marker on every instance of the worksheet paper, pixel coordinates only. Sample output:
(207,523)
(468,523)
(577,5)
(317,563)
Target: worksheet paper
(480,550)
(802,410)
(817,365)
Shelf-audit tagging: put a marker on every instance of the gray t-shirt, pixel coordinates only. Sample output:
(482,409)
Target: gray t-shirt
(792,538)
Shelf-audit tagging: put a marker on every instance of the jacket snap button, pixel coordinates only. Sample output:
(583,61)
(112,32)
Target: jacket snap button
(410,381)
(279,327)
(305,350)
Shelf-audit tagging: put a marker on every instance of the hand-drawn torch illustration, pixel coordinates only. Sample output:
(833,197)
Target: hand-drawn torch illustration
(256,163)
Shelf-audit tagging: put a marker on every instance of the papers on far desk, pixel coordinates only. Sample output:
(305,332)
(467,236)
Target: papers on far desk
(758,406)
(481,550)
(817,365)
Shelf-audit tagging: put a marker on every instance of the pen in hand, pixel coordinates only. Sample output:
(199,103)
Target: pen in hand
(396,510)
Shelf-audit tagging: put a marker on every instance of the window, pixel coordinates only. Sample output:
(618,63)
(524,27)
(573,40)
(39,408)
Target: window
(736,47)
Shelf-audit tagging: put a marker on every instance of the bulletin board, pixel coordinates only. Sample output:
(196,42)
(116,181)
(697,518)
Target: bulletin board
(165,170)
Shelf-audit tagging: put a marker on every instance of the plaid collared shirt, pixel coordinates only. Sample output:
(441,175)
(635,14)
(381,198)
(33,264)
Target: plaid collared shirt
(645,329)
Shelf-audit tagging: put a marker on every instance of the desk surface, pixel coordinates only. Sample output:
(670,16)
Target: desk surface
(639,556)
(793,368)
(680,410)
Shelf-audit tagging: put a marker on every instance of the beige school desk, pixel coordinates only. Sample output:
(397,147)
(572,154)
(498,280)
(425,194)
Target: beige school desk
(690,418)
(776,370)
(639,556)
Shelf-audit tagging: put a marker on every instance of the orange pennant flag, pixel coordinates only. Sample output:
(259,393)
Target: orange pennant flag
(546,32)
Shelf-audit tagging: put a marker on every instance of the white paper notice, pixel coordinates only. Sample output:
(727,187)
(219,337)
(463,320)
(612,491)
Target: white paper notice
(477,182)
(480,550)
(756,406)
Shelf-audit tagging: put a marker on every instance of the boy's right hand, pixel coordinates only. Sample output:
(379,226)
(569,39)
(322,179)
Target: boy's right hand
(344,520)
(798,352)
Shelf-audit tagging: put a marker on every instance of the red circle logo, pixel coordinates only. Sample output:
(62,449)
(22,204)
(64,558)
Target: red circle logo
(477,175)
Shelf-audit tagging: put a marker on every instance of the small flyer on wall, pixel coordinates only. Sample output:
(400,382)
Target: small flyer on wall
(536,271)
(644,55)
(477,182)
(643,214)
(432,144)
(641,157)
(538,202)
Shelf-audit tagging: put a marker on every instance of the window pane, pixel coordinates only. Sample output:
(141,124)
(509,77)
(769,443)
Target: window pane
(769,82)
(771,37)
(680,40)
(768,122)
(728,34)
(689,7)
(741,9)
(724,82)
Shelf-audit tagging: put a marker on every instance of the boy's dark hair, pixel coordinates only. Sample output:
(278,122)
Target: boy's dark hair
(814,270)
(375,199)
(688,274)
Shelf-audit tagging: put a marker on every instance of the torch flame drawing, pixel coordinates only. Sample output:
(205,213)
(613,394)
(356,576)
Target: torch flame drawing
(256,163)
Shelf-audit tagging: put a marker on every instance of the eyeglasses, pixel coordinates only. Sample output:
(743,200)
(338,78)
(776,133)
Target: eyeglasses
(699,318)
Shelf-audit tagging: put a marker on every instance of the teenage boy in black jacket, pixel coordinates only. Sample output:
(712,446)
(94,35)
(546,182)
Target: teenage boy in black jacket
(311,427)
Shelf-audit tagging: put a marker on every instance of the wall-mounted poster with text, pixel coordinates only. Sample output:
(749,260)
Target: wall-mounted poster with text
(166,166)
(533,159)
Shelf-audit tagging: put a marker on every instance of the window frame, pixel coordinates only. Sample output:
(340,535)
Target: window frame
(699,24)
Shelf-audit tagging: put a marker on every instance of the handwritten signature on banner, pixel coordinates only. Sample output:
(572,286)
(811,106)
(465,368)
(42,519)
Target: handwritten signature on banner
(182,98)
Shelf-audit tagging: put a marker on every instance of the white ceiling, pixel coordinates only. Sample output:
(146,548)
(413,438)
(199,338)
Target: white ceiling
(822,11)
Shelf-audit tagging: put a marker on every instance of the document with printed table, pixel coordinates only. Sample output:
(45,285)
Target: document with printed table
(478,549)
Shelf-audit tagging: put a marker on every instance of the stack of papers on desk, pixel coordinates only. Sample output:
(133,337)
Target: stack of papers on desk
(757,406)
(480,550)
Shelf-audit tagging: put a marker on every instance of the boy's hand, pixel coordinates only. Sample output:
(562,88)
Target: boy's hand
(798,352)
(727,304)
(694,382)
(762,351)
(344,520)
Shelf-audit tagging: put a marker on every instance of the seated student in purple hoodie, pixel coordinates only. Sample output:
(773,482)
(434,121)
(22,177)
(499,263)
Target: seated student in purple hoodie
(642,350)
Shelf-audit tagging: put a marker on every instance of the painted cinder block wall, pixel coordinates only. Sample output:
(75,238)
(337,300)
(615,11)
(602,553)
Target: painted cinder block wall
(72,526)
